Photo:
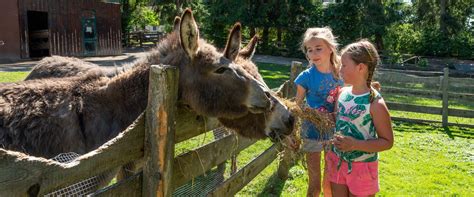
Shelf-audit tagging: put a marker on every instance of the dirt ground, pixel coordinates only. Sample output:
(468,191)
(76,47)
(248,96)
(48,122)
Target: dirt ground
(129,55)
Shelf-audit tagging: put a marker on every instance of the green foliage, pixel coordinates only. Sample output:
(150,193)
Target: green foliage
(428,28)
(279,24)
(402,38)
(423,62)
(143,16)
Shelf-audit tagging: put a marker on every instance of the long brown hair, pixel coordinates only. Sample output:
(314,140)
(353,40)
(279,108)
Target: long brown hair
(324,33)
(364,52)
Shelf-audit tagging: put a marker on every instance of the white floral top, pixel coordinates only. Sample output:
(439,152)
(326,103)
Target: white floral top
(354,119)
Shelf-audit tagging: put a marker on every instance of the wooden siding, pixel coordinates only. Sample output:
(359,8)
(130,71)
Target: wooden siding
(65,26)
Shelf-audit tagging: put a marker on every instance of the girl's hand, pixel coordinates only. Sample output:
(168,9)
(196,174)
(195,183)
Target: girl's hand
(292,142)
(345,143)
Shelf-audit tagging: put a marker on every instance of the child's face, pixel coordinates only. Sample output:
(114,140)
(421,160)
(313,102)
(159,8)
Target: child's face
(318,51)
(350,71)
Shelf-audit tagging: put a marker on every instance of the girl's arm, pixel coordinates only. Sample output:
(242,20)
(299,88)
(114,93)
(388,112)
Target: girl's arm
(383,127)
(300,94)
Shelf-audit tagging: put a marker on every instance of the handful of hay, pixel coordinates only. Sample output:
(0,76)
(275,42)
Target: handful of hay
(322,120)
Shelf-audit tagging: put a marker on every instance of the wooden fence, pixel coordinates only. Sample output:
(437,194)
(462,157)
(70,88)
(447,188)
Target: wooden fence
(151,138)
(141,38)
(445,91)
(446,88)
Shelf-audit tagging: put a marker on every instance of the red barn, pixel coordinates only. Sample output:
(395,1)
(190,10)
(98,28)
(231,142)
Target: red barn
(37,28)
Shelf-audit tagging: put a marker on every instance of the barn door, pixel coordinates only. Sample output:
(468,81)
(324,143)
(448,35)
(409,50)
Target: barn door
(89,33)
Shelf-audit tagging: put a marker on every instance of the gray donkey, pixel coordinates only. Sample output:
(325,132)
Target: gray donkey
(77,114)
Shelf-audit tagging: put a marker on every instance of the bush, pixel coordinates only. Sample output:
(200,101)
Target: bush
(423,62)
(402,38)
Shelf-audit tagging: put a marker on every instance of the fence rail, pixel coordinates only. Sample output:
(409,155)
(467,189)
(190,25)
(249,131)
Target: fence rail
(444,85)
(425,93)
(141,38)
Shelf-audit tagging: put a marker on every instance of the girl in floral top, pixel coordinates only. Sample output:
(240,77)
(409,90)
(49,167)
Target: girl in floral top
(363,125)
(319,85)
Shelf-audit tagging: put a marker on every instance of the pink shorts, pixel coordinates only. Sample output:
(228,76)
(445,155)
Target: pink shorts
(362,181)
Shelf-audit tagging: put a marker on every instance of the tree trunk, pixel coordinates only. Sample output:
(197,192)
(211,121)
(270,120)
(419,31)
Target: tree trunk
(378,34)
(265,37)
(379,42)
(443,17)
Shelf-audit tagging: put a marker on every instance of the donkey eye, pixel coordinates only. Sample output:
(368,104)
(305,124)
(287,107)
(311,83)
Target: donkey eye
(221,70)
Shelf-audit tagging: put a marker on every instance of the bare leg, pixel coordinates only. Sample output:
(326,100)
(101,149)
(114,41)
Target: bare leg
(339,190)
(326,184)
(314,173)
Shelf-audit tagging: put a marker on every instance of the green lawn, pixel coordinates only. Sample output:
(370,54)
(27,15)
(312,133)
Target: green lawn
(273,74)
(12,76)
(425,160)
(417,100)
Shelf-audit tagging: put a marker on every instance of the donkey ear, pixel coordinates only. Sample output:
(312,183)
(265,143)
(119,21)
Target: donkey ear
(189,33)
(177,21)
(233,43)
(250,49)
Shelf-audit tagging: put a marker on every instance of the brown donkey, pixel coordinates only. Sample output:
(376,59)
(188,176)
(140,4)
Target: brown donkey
(47,117)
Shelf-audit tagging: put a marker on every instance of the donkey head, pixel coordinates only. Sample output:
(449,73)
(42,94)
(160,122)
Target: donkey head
(211,82)
(228,85)
(274,123)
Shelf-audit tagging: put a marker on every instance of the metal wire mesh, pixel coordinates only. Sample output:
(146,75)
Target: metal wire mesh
(203,184)
(81,188)
(199,186)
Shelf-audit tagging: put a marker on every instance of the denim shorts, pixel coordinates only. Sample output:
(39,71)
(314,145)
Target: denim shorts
(309,145)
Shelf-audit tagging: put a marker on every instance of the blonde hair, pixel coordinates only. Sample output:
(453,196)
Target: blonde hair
(364,52)
(324,33)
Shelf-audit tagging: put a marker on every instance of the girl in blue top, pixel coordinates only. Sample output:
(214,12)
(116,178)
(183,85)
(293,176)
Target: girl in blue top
(319,84)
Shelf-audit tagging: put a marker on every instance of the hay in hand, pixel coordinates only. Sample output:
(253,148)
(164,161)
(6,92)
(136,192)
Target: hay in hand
(323,121)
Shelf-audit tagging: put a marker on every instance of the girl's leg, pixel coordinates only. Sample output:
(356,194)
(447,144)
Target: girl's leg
(326,184)
(313,160)
(339,190)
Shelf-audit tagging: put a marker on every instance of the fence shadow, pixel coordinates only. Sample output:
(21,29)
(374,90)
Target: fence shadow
(448,132)
(273,187)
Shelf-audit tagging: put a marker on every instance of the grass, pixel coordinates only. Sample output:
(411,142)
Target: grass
(422,116)
(416,100)
(12,76)
(274,75)
(425,160)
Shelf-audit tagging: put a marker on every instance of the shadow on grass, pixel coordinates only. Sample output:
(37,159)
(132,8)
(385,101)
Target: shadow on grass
(451,131)
(448,132)
(274,75)
(273,187)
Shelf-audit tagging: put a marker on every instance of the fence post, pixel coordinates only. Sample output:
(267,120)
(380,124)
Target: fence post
(444,86)
(296,68)
(160,131)
(140,36)
(288,156)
